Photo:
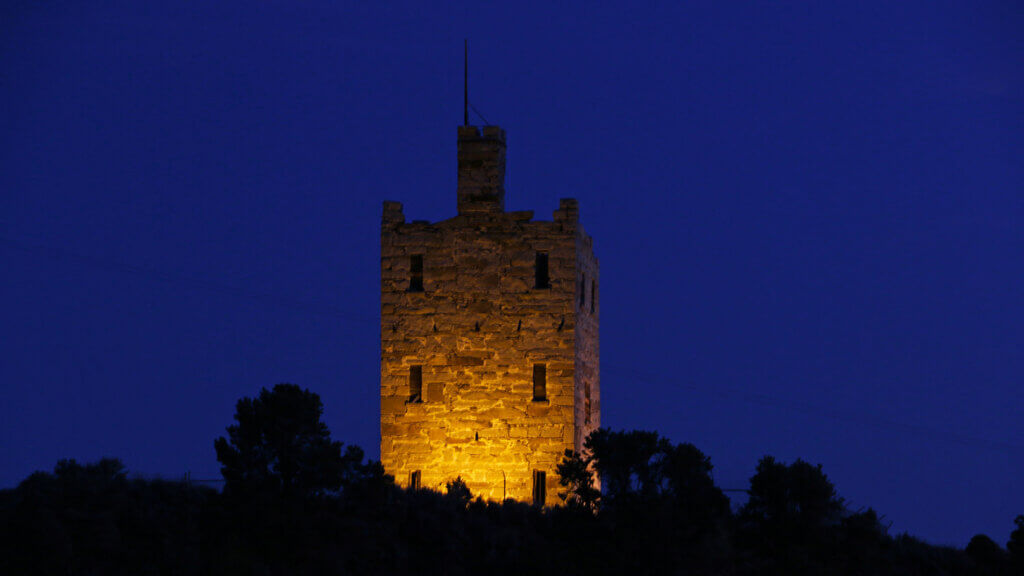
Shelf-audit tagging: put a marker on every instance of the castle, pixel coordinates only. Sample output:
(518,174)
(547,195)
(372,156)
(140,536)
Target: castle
(489,338)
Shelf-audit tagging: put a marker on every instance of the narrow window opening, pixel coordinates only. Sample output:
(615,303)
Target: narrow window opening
(593,295)
(539,487)
(415,383)
(540,382)
(583,290)
(586,404)
(416,273)
(541,278)
(414,480)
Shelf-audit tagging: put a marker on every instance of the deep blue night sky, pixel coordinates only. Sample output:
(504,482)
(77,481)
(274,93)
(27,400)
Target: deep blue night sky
(808,219)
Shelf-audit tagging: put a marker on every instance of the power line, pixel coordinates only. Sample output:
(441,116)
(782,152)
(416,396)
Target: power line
(202,284)
(829,413)
(327,309)
(477,112)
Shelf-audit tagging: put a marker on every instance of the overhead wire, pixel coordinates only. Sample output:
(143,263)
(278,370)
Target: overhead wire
(825,412)
(193,282)
(335,311)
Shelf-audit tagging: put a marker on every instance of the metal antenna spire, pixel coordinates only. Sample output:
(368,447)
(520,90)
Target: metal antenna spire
(465,83)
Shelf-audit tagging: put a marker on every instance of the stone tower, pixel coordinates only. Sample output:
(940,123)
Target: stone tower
(489,338)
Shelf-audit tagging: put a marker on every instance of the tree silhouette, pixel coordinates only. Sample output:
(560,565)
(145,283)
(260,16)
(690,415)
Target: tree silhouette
(687,478)
(458,491)
(280,445)
(627,462)
(637,466)
(668,519)
(92,519)
(574,473)
(798,496)
(1016,544)
(792,521)
(659,505)
(987,556)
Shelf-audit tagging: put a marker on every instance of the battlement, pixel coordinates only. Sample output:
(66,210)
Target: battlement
(393,213)
(567,213)
(481,133)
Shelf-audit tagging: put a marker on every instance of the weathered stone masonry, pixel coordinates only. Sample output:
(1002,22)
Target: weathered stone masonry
(477,328)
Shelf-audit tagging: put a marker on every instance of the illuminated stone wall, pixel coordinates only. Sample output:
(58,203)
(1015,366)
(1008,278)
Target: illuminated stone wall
(477,329)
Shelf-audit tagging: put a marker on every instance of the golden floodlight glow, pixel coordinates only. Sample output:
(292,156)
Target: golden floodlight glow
(489,338)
